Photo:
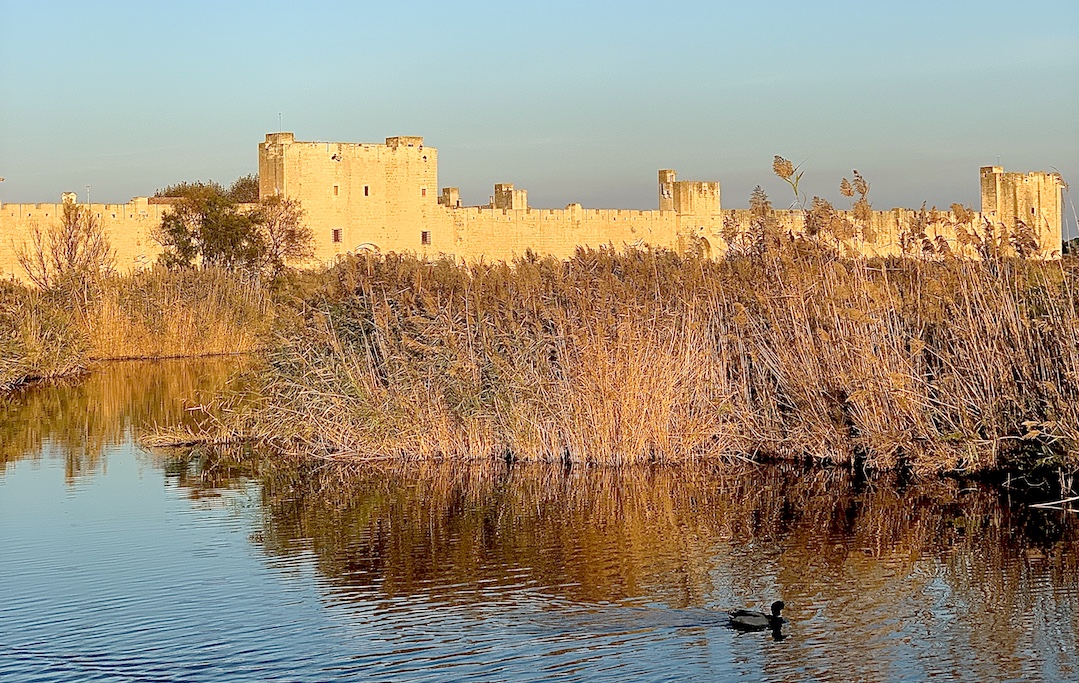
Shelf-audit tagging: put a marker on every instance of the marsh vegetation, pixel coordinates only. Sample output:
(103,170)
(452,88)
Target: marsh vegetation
(63,330)
(647,356)
(211,292)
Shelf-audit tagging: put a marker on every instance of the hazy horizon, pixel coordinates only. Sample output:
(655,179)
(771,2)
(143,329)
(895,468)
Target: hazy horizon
(574,102)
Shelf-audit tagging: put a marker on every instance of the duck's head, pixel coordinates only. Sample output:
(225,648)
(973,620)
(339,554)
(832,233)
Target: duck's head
(777,607)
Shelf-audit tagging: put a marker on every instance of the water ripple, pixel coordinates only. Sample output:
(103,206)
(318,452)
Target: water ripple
(139,575)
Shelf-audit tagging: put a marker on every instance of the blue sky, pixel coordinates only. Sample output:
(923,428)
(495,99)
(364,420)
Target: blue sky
(577,101)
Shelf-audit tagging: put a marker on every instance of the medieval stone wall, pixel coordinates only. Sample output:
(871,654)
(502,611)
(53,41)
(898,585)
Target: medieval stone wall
(358,196)
(491,233)
(128,226)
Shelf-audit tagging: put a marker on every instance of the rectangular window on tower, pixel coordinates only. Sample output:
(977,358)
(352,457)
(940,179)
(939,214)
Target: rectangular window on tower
(425,237)
(335,190)
(336,235)
(423,191)
(366,190)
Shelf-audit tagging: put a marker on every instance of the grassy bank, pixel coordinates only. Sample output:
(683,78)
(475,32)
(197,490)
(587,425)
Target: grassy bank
(650,357)
(58,331)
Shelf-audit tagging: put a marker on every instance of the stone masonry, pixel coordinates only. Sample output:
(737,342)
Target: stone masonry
(386,197)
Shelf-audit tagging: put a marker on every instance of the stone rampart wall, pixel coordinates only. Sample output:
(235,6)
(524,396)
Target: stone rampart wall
(128,226)
(481,232)
(473,232)
(358,196)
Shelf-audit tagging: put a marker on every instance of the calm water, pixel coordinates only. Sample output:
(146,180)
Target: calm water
(121,565)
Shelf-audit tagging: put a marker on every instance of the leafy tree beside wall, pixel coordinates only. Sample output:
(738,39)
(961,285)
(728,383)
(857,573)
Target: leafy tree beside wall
(245,189)
(209,226)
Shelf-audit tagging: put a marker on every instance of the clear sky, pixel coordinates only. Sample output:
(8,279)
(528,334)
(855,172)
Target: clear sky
(576,101)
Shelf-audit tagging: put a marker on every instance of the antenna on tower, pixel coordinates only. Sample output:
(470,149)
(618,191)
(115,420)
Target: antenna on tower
(279,126)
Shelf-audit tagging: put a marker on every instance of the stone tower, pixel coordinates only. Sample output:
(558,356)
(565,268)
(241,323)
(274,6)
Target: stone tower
(355,195)
(690,197)
(1034,198)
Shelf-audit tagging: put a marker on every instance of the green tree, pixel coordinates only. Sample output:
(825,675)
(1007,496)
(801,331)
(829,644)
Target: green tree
(206,227)
(190,189)
(245,189)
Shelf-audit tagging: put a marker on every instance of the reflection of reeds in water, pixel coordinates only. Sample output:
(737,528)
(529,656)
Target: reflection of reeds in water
(516,511)
(80,418)
(860,563)
(650,357)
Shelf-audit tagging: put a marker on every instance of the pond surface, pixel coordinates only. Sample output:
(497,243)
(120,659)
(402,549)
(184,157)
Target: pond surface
(117,564)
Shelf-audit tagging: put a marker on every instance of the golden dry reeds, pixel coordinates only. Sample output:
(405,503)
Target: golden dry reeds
(37,336)
(181,313)
(646,356)
(58,331)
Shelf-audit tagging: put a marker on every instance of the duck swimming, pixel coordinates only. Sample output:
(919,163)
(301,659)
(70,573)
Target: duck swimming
(749,620)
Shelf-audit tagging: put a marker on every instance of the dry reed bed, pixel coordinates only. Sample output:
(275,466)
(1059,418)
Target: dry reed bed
(153,314)
(37,336)
(645,356)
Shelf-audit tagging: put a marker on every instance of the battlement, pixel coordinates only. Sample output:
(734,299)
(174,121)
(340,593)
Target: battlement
(280,138)
(450,197)
(136,206)
(404,141)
